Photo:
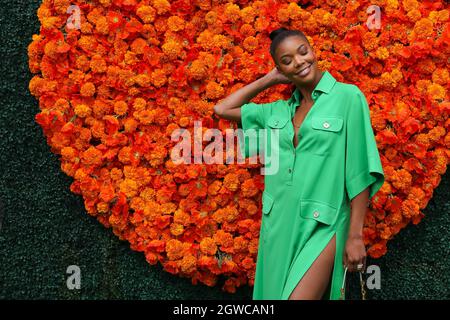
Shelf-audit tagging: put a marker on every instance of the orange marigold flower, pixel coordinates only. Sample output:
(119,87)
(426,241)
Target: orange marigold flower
(146,13)
(247,30)
(176,23)
(146,116)
(208,246)
(423,28)
(87,43)
(87,89)
(151,258)
(240,244)
(247,263)
(181,217)
(439,16)
(51,22)
(68,153)
(370,40)
(138,46)
(228,214)
(188,264)
(410,208)
(248,14)
(214,187)
(98,64)
(130,125)
(148,194)
(139,104)
(232,12)
(101,25)
(198,70)
(250,43)
(102,207)
(223,238)
(161,6)
(441,76)
(129,187)
(249,188)
(436,91)
(107,192)
(382,53)
(116,174)
(295,12)
(253,246)
(172,49)
(158,78)
(125,155)
(211,17)
(176,229)
(231,181)
(283,15)
(82,110)
(131,58)
(174,249)
(214,90)
(184,121)
(409,5)
(92,157)
(120,108)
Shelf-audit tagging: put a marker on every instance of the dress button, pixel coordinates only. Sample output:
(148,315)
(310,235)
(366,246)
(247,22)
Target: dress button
(326,125)
(276,122)
(290,170)
(316,214)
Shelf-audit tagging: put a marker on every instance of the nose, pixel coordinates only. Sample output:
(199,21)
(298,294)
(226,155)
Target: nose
(298,61)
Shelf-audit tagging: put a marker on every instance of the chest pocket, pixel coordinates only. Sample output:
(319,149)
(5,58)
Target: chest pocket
(277,134)
(326,131)
(277,122)
(319,211)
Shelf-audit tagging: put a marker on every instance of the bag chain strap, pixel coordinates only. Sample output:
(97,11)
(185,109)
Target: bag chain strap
(361,282)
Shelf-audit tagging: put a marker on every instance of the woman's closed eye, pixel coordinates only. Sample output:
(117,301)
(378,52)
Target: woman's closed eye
(303,52)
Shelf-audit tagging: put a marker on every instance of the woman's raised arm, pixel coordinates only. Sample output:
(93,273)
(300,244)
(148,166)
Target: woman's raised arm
(230,107)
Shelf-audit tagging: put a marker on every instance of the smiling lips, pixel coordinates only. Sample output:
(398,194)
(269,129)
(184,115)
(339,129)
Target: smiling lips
(304,72)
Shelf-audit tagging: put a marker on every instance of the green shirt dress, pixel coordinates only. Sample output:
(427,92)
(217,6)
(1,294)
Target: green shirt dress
(308,188)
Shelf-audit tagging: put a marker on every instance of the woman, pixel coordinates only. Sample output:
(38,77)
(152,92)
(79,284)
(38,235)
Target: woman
(329,167)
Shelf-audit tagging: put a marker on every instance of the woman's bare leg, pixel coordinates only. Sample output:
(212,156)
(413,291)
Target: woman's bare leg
(315,281)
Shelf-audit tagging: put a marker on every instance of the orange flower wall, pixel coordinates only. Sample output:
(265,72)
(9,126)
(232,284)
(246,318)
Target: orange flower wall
(112,91)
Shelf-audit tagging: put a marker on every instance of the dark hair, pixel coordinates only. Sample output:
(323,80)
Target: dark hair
(279,35)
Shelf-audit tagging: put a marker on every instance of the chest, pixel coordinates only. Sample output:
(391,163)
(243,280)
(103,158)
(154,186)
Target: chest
(297,120)
(315,128)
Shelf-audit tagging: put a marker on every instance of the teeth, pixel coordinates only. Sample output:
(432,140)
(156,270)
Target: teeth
(303,71)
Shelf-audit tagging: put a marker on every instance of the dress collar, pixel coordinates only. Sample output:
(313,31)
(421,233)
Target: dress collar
(325,84)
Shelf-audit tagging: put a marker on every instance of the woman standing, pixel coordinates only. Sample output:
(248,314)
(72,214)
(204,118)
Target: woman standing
(329,167)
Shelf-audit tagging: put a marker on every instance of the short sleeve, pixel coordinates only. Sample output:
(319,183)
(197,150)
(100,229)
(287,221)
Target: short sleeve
(362,161)
(250,135)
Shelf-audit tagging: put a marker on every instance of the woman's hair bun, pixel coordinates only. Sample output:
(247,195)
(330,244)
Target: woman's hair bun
(276,32)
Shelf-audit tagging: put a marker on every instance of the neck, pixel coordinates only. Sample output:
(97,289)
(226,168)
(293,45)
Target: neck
(307,89)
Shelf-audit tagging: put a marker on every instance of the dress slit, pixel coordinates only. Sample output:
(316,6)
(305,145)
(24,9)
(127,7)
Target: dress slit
(303,263)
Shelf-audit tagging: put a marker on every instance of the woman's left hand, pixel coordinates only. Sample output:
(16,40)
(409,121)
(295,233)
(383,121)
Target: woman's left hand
(355,253)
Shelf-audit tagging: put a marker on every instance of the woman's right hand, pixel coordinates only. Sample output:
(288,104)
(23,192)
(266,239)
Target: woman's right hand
(276,77)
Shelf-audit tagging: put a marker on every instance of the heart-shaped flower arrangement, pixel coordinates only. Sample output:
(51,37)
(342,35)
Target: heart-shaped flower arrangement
(115,78)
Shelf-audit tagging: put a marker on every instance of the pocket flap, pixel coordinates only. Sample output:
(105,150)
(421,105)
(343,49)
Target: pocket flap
(267,202)
(277,121)
(318,211)
(327,123)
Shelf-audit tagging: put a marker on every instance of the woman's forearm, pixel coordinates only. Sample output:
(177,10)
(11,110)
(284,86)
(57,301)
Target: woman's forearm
(358,213)
(242,96)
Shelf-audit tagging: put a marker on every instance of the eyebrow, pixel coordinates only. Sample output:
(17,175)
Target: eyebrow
(288,54)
